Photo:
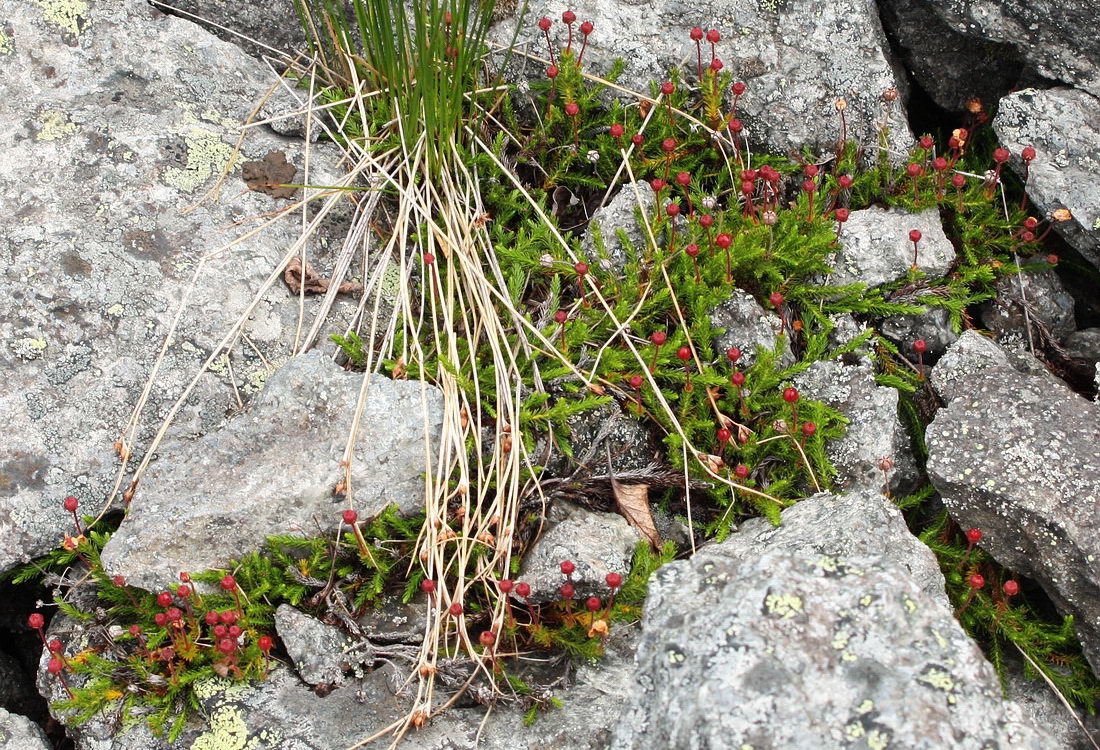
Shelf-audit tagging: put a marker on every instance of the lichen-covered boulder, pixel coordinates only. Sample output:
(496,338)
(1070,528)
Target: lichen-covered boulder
(1049,306)
(774,48)
(20,733)
(748,326)
(875,247)
(1016,453)
(273,470)
(119,120)
(1063,125)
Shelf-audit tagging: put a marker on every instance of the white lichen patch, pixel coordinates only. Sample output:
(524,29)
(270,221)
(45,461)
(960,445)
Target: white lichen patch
(28,348)
(115,310)
(68,15)
(207,155)
(784,605)
(54,125)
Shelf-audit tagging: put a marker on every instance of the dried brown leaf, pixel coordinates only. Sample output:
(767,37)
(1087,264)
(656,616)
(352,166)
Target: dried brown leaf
(314,282)
(270,175)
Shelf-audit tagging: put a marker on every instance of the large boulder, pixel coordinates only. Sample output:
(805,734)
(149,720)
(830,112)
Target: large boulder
(796,59)
(120,120)
(273,470)
(20,733)
(1063,125)
(1016,453)
(875,248)
(790,646)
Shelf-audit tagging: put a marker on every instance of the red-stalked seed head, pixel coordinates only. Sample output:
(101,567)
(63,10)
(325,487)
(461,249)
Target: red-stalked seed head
(350,517)
(808,428)
(593,603)
(54,646)
(636,381)
(737,379)
(658,338)
(55,665)
(183,591)
(228,617)
(748,188)
(667,88)
(741,471)
(716,65)
(211,618)
(958,181)
(71,504)
(723,240)
(118,581)
(723,434)
(673,209)
(1001,155)
(616,131)
(552,72)
(776,299)
(809,186)
(939,164)
(790,395)
(913,169)
(227,646)
(976,581)
(544,24)
(637,139)
(1011,588)
(706,221)
(586,28)
(810,170)
(973,535)
(487,638)
(164,599)
(657,184)
(668,145)
(135,630)
(572,109)
(568,17)
(506,585)
(926,142)
(736,125)
(1027,154)
(228,582)
(844,181)
(842,215)
(733,354)
(613,580)
(1030,223)
(692,250)
(580,267)
(914,235)
(429,259)
(683,179)
(265,643)
(567,567)
(561,317)
(523,589)
(235,631)
(567,591)
(173,614)
(427,586)
(160,619)
(738,89)
(455,609)
(920,346)
(683,354)
(696,34)
(713,36)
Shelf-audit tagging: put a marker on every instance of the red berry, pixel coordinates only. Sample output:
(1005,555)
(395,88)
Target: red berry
(723,241)
(455,609)
(692,250)
(747,187)
(696,34)
(738,89)
(657,184)
(790,395)
(738,379)
(523,590)
(561,316)
(776,299)
(164,599)
(723,435)
(672,209)
(842,215)
(235,631)
(350,517)
(1011,588)
(427,586)
(1001,155)
(683,179)
(809,186)
(505,585)
(713,36)
(808,428)
(1031,222)
(683,353)
(586,28)
(741,471)
(118,581)
(54,666)
(544,24)
(913,169)
(568,17)
(429,259)
(733,354)
(265,643)
(135,630)
(926,142)
(160,619)
(614,580)
(581,268)
(914,235)
(844,181)
(487,638)
(810,170)
(174,614)
(1052,259)
(706,221)
(1028,153)
(572,109)
(1029,237)
(616,131)
(552,71)
(920,346)
(211,618)
(637,139)
(636,381)
(227,645)
(658,338)
(593,603)
(229,616)
(668,144)
(71,504)
(973,535)
(567,567)
(183,591)
(736,126)
(939,164)
(567,591)
(229,583)
(716,65)
(667,88)
(958,181)
(54,646)
(976,581)
(36,621)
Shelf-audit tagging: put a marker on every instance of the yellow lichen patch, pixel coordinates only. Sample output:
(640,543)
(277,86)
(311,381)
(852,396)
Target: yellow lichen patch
(207,155)
(877,740)
(67,15)
(867,706)
(55,126)
(784,605)
(7,46)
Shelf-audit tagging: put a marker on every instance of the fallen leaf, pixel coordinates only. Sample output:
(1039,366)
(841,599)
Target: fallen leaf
(314,282)
(632,500)
(270,175)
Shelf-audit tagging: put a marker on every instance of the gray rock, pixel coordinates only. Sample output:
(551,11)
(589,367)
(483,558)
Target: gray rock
(274,469)
(1064,127)
(395,621)
(746,325)
(1061,40)
(951,66)
(619,214)
(845,330)
(597,543)
(873,431)
(863,522)
(933,326)
(595,432)
(120,118)
(1017,455)
(1040,704)
(1048,304)
(875,247)
(1084,345)
(20,733)
(317,650)
(774,48)
(803,650)
(261,29)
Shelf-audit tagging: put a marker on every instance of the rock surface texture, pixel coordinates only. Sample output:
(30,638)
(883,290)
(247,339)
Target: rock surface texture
(774,48)
(1017,455)
(273,470)
(20,733)
(119,120)
(1063,125)
(802,649)
(1049,306)
(748,326)
(875,248)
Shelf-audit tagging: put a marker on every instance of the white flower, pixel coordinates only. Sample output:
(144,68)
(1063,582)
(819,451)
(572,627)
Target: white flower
(709,202)
(593,156)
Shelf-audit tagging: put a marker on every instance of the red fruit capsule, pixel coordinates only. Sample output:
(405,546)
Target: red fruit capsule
(427,585)
(723,241)
(958,181)
(616,131)
(920,346)
(913,170)
(683,179)
(572,109)
(581,268)
(487,638)
(552,71)
(455,609)
(636,381)
(808,428)
(164,599)
(713,36)
(976,581)
(637,139)
(658,338)
(350,517)
(54,666)
(696,34)
(737,379)
(593,603)
(706,221)
(733,354)
(776,299)
(973,535)
(523,589)
(568,17)
(506,585)
(790,395)
(265,643)
(692,250)
(738,89)
(668,145)
(844,181)
(741,471)
(1028,153)
(723,434)
(683,353)
(71,504)
(567,567)
(614,580)
(586,28)
(228,583)
(544,24)
(1001,155)
(914,235)
(842,215)
(1011,588)
(567,591)
(667,88)
(926,142)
